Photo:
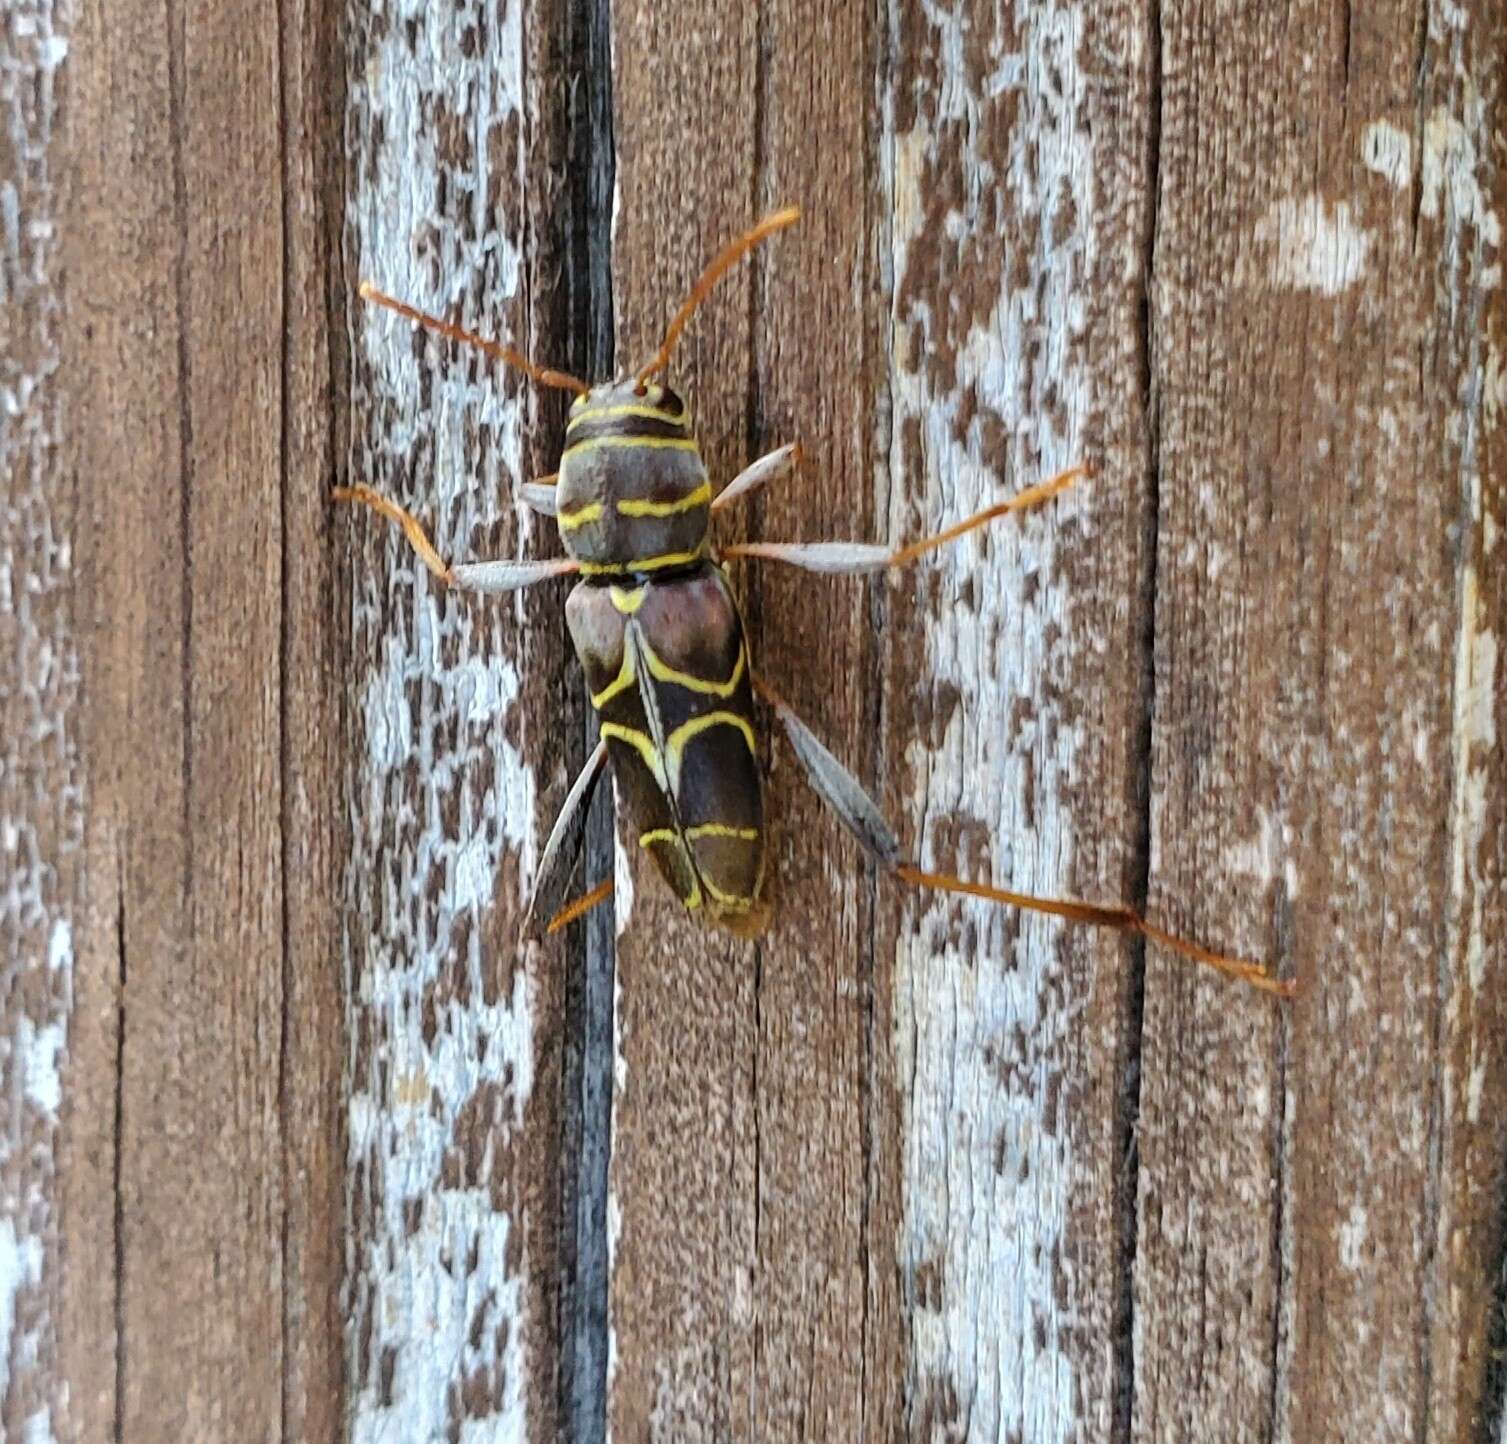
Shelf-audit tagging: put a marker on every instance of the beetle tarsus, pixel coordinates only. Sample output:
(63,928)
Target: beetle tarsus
(418,539)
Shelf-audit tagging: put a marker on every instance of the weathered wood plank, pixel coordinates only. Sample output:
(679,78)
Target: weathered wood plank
(682,1216)
(1315,1245)
(40,768)
(960,394)
(1015,181)
(465,734)
(173,1165)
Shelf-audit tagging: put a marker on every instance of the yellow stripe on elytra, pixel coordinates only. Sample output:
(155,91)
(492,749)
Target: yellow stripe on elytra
(675,743)
(702,829)
(625,678)
(652,413)
(662,672)
(643,744)
(569,520)
(640,564)
(668,834)
(738,902)
(700,497)
(654,443)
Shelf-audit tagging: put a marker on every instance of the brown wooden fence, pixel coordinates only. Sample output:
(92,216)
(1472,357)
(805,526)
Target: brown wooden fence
(297,1145)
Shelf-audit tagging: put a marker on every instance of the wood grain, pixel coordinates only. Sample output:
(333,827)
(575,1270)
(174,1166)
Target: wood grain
(173,250)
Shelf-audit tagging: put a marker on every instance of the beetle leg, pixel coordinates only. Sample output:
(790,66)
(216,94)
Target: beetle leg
(498,576)
(855,558)
(558,861)
(860,814)
(774,467)
(581,906)
(539,495)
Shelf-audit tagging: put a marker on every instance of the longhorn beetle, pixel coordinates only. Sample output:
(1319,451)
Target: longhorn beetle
(662,645)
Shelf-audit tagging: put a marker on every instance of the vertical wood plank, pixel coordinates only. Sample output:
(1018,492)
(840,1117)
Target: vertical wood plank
(845,1337)
(1016,188)
(1315,1250)
(683,1216)
(41,819)
(453,1072)
(815,362)
(173,1162)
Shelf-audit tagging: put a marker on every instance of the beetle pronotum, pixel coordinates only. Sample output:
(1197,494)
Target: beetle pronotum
(662,644)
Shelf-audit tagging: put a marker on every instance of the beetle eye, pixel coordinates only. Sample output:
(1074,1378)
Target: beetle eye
(669,400)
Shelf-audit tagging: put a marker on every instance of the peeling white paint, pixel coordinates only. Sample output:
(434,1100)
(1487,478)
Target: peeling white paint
(439,1279)
(1353,1233)
(1267,856)
(987,1177)
(1451,181)
(1388,151)
(1313,246)
(1476,763)
(41,800)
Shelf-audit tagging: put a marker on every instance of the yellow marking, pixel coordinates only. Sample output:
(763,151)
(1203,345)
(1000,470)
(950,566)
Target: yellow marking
(654,443)
(643,744)
(626,601)
(620,683)
(667,834)
(663,672)
(653,413)
(700,497)
(675,743)
(569,520)
(640,564)
(736,901)
(703,829)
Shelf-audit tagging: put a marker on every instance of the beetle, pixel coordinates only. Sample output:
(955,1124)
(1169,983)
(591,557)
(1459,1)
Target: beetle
(659,636)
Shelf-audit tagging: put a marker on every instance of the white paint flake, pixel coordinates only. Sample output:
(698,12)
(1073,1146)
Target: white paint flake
(1268,856)
(1388,151)
(1476,768)
(1313,246)
(442,1077)
(1452,187)
(987,1173)
(1353,1233)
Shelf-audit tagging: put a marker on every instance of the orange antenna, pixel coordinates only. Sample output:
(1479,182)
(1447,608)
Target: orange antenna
(543,375)
(729,256)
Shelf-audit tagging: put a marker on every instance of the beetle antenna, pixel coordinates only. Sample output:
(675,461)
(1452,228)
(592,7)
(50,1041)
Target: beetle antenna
(542,374)
(728,257)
